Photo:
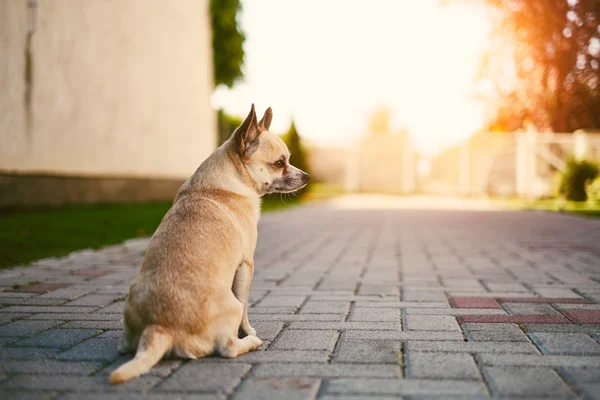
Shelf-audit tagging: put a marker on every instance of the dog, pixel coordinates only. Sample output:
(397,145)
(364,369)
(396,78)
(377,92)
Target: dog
(190,298)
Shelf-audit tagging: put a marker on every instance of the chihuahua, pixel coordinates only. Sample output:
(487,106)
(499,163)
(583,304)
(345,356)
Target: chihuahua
(190,298)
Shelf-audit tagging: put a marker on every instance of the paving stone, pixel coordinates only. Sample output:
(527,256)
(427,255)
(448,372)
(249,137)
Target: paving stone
(527,382)
(101,349)
(104,325)
(26,328)
(454,311)
(69,293)
(406,387)
(327,370)
(28,353)
(16,394)
(565,343)
(272,310)
(31,301)
(403,335)
(547,300)
(532,360)
(583,316)
(139,396)
(77,317)
(401,304)
(474,302)
(529,309)
(577,375)
(283,356)
(116,308)
(375,314)
(326,307)
(306,340)
(260,388)
(342,326)
(267,330)
(409,295)
(42,287)
(298,317)
(9,317)
(472,347)
(61,338)
(205,377)
(494,333)
(79,383)
(49,367)
(98,300)
(431,323)
(514,319)
(282,301)
(50,309)
(441,365)
(372,351)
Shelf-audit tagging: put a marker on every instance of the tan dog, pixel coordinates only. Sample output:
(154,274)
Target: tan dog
(190,297)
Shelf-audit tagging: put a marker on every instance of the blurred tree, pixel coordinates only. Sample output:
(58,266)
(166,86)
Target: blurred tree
(294,143)
(379,121)
(226,124)
(227,41)
(555,45)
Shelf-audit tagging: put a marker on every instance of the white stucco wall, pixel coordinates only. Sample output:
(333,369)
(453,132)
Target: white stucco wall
(120,88)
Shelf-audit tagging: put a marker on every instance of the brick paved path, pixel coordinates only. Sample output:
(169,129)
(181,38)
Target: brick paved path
(351,303)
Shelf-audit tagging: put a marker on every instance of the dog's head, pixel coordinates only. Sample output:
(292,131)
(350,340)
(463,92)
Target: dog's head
(265,156)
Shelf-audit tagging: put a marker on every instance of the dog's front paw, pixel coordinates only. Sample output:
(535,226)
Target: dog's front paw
(250,331)
(256,342)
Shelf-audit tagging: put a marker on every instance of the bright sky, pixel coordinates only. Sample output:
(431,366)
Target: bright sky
(329,63)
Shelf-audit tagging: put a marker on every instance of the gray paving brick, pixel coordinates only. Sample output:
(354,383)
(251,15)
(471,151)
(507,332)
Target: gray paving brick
(61,338)
(16,394)
(403,335)
(589,329)
(529,309)
(79,383)
(113,308)
(326,307)
(472,347)
(26,328)
(267,330)
(205,377)
(577,375)
(93,349)
(527,382)
(283,356)
(28,353)
(454,311)
(403,304)
(342,326)
(406,387)
(139,396)
(494,333)
(441,365)
(299,317)
(373,351)
(34,301)
(565,343)
(98,300)
(412,295)
(49,309)
(49,367)
(306,340)
(327,370)
(77,317)
(531,360)
(272,310)
(6,318)
(375,314)
(104,325)
(282,301)
(431,323)
(260,388)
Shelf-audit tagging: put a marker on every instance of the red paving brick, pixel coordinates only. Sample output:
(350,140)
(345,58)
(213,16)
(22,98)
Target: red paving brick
(564,300)
(42,287)
(474,302)
(515,319)
(583,316)
(90,272)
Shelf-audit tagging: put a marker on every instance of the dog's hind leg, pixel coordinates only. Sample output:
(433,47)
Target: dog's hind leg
(228,343)
(234,347)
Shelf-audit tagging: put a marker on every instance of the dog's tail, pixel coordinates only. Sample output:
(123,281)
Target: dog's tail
(154,343)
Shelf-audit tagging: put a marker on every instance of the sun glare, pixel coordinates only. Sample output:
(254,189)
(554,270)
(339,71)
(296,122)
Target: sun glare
(330,64)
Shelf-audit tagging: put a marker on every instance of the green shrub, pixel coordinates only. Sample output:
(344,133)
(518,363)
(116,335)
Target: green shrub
(293,141)
(593,192)
(576,175)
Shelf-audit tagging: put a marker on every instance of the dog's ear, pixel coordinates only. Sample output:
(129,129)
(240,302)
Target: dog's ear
(265,122)
(246,135)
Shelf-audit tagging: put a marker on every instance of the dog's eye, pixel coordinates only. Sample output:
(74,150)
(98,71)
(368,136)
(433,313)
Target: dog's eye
(279,164)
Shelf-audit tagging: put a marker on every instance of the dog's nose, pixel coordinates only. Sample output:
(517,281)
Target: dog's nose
(305,177)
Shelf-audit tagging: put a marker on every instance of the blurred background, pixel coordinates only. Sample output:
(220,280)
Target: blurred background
(118,102)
